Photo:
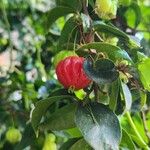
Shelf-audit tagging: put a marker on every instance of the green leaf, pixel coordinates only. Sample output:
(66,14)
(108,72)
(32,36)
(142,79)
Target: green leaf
(91,2)
(69,31)
(99,126)
(114,92)
(102,27)
(74,132)
(74,4)
(62,119)
(26,141)
(113,52)
(125,123)
(140,126)
(143,96)
(41,108)
(126,141)
(80,145)
(55,13)
(103,71)
(144,73)
(68,144)
(138,14)
(127,97)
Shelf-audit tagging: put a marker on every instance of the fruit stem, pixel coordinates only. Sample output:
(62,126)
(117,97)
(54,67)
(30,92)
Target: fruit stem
(142,142)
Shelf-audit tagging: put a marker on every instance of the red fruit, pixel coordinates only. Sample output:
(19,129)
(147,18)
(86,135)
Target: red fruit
(70,73)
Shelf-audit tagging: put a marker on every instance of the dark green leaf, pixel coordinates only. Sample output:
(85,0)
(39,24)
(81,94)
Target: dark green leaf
(41,108)
(74,4)
(80,145)
(55,13)
(102,27)
(26,141)
(99,126)
(114,92)
(103,71)
(69,31)
(113,52)
(68,144)
(62,119)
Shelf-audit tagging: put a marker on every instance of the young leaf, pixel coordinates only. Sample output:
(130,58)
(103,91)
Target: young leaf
(99,126)
(103,71)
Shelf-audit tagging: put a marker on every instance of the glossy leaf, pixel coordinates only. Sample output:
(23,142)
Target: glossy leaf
(62,119)
(113,52)
(127,97)
(99,126)
(102,27)
(103,71)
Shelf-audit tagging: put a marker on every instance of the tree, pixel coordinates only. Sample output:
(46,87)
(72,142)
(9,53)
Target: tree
(75,74)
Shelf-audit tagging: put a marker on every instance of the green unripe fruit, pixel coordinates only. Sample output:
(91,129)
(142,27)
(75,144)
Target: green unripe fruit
(49,143)
(49,146)
(106,9)
(124,2)
(62,55)
(50,138)
(112,40)
(13,135)
(103,6)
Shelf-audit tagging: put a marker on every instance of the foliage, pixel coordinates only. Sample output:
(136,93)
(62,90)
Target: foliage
(113,112)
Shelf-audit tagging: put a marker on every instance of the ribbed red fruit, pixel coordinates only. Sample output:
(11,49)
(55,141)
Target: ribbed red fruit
(70,73)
